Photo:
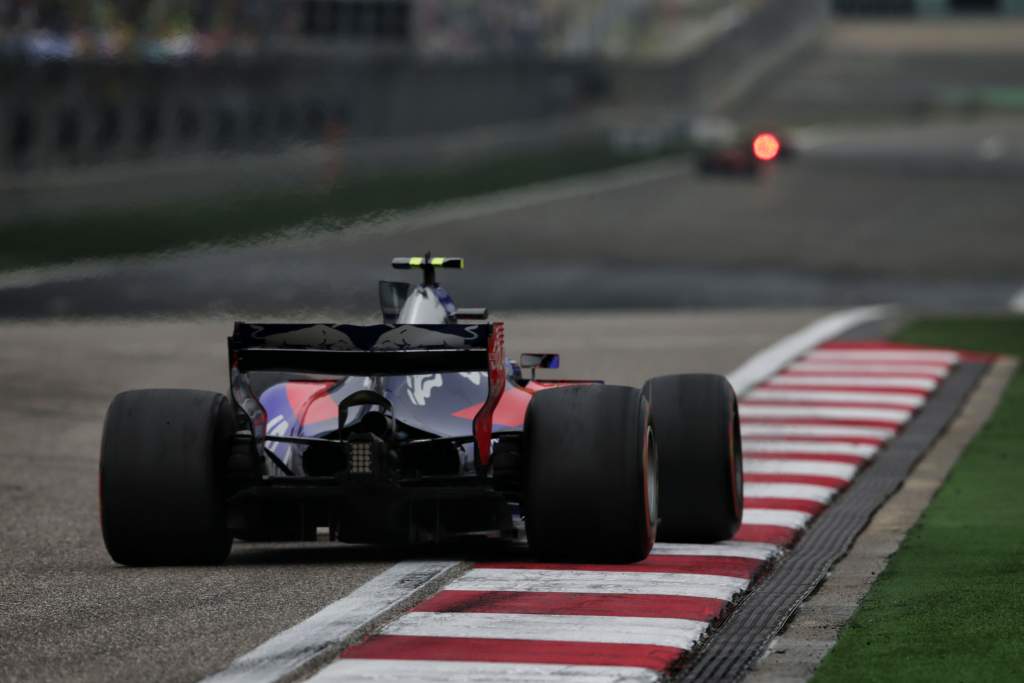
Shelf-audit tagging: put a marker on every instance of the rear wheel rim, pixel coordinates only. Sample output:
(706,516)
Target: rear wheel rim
(735,470)
(651,479)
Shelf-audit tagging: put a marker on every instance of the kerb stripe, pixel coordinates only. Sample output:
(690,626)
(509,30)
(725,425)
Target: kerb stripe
(680,633)
(797,414)
(740,567)
(819,494)
(765,533)
(809,506)
(848,459)
(793,519)
(841,382)
(757,551)
(611,581)
(841,398)
(822,447)
(436,671)
(827,482)
(507,650)
(819,431)
(503,602)
(820,468)
(864,369)
(884,356)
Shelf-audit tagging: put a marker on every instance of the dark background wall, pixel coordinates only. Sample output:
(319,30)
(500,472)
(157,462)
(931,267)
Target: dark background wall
(59,114)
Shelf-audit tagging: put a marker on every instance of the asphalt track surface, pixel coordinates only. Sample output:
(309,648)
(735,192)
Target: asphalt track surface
(69,613)
(916,214)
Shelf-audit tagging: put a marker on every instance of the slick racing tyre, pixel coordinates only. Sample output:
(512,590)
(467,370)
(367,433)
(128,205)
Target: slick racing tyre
(591,475)
(696,426)
(162,465)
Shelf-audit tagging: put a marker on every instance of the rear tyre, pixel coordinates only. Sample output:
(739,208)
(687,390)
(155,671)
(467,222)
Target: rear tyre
(592,475)
(162,474)
(696,426)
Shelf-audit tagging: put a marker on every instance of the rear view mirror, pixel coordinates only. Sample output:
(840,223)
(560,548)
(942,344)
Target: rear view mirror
(538,360)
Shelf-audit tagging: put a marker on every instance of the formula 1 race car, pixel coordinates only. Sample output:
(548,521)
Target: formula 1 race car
(724,148)
(416,430)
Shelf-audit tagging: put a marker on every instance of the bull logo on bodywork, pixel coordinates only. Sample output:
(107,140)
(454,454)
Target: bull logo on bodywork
(412,337)
(419,387)
(311,336)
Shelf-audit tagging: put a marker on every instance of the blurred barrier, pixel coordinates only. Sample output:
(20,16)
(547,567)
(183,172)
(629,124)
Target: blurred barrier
(92,112)
(170,131)
(66,114)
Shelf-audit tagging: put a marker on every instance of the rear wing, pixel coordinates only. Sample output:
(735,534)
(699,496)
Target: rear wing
(360,350)
(370,350)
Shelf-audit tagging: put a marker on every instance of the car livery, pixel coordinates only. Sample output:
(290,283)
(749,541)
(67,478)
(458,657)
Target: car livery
(416,429)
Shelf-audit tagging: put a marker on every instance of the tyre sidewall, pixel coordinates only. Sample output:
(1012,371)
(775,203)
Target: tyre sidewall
(696,424)
(162,477)
(587,461)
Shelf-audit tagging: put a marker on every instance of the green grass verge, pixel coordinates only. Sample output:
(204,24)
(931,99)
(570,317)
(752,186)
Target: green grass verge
(151,229)
(950,604)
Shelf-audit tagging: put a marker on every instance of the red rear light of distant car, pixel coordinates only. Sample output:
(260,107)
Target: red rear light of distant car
(766,146)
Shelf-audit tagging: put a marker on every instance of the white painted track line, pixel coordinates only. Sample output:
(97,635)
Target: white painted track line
(414,671)
(813,492)
(770,361)
(860,450)
(303,643)
(823,431)
(681,633)
(603,582)
(839,470)
(754,551)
